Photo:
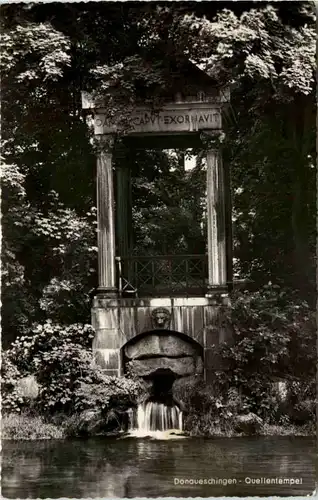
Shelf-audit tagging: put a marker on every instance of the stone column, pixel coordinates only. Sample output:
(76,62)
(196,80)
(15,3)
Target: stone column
(216,221)
(228,226)
(105,218)
(123,201)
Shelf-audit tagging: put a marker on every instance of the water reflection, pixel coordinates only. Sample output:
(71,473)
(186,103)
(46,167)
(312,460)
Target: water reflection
(140,467)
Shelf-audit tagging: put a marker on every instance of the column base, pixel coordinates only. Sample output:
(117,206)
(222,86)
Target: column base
(107,292)
(213,290)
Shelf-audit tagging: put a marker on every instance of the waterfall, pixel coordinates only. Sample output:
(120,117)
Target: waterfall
(155,416)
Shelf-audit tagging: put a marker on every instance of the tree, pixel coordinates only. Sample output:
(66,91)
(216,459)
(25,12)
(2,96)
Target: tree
(270,144)
(43,177)
(168,204)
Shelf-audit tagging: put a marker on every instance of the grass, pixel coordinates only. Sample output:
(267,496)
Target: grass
(308,429)
(206,425)
(29,427)
(267,430)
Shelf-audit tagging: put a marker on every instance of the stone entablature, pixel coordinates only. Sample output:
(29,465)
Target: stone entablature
(189,114)
(174,118)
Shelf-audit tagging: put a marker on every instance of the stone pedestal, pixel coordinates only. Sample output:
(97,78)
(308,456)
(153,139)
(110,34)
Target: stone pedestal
(198,320)
(107,341)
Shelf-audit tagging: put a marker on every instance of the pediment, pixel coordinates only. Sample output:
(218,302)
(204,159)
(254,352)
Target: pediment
(185,82)
(191,101)
(188,83)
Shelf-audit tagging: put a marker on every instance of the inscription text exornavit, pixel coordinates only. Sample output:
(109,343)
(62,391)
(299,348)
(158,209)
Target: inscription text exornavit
(167,120)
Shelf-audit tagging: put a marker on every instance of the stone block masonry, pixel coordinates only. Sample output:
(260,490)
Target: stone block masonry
(126,333)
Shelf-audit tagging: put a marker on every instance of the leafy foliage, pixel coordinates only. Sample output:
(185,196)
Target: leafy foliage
(46,254)
(60,359)
(12,396)
(274,340)
(168,203)
(107,393)
(209,411)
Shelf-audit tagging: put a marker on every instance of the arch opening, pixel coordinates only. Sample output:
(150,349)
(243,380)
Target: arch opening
(160,358)
(162,381)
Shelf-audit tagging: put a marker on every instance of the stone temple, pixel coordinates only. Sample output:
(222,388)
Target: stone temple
(162,317)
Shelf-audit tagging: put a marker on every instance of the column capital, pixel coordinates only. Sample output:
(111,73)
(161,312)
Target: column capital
(212,139)
(104,143)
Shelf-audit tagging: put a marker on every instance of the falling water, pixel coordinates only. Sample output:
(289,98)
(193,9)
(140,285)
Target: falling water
(154,416)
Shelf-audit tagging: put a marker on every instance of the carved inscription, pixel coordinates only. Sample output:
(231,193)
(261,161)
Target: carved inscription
(165,121)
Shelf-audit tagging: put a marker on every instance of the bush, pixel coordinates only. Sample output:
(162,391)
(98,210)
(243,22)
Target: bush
(47,338)
(275,335)
(58,357)
(101,406)
(13,398)
(274,339)
(301,402)
(208,411)
(106,393)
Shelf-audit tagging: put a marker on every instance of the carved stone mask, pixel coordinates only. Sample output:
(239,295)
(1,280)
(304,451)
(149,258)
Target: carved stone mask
(161,317)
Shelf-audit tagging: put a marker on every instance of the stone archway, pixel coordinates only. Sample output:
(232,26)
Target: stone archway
(160,357)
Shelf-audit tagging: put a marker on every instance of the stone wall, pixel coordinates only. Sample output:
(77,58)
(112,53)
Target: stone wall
(119,321)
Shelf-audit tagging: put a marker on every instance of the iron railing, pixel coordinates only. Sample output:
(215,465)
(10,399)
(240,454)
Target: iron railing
(162,275)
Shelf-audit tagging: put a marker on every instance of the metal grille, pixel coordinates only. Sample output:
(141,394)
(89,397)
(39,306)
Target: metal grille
(161,275)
